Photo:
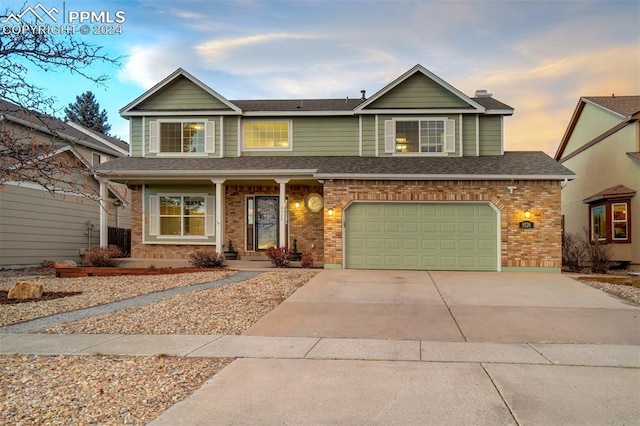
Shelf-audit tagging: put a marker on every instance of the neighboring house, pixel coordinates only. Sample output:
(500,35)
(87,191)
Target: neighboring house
(36,225)
(602,145)
(413,177)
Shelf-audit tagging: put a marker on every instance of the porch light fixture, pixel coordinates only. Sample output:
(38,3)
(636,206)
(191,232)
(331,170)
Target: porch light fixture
(527,214)
(330,211)
(297,204)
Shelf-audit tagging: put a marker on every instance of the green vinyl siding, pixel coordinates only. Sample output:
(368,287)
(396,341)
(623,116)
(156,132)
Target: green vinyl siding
(135,124)
(490,135)
(181,94)
(368,135)
(231,136)
(469,135)
(421,236)
(418,91)
(317,136)
(36,226)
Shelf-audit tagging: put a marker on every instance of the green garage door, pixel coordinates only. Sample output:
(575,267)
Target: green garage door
(435,236)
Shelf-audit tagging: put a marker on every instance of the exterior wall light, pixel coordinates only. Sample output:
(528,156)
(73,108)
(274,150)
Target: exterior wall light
(297,204)
(330,211)
(527,214)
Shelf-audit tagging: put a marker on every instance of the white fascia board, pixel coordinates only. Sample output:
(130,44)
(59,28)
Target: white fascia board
(499,112)
(296,113)
(190,174)
(177,73)
(179,113)
(380,176)
(421,111)
(96,137)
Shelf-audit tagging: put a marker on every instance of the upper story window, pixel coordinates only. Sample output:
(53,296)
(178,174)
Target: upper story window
(610,221)
(97,158)
(267,135)
(425,135)
(181,137)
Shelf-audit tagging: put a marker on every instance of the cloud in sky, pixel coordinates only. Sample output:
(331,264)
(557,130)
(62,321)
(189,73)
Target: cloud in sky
(538,56)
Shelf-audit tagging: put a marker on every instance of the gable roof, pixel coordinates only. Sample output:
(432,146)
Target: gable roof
(128,110)
(627,108)
(71,132)
(419,69)
(511,165)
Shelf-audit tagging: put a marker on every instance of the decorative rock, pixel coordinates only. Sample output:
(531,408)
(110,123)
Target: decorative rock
(25,290)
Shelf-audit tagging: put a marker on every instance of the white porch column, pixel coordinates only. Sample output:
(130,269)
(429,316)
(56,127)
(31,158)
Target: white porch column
(104,220)
(283,211)
(219,214)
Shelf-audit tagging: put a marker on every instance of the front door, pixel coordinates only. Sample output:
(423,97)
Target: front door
(266,222)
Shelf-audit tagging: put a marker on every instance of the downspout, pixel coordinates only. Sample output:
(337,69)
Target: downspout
(104,223)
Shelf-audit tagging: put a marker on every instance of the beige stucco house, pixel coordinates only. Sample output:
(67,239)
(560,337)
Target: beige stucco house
(413,177)
(602,146)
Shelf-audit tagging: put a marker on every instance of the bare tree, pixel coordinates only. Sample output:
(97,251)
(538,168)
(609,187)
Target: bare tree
(34,146)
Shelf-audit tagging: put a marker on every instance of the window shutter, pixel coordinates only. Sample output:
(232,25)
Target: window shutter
(389,136)
(450,136)
(210,137)
(154,216)
(210,216)
(153,136)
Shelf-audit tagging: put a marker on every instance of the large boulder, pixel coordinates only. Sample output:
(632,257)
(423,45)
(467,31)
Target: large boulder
(25,290)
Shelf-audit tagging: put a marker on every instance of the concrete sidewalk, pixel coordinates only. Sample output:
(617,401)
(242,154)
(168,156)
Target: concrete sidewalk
(408,347)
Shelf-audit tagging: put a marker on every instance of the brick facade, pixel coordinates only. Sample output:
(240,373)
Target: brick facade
(540,247)
(321,235)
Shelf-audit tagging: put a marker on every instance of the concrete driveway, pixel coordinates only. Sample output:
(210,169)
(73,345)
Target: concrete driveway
(454,307)
(437,348)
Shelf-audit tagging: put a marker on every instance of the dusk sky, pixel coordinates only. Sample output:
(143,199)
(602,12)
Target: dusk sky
(537,56)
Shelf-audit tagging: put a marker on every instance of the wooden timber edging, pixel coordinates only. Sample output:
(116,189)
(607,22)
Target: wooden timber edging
(95,271)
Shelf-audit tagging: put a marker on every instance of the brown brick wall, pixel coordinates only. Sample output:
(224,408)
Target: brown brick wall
(539,247)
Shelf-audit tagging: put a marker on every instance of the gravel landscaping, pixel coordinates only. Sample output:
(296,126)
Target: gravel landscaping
(109,390)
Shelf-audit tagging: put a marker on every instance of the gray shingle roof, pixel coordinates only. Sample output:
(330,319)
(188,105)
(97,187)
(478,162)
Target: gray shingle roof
(625,105)
(491,103)
(516,164)
(344,104)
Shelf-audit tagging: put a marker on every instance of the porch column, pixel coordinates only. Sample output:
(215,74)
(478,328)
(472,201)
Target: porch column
(104,220)
(283,211)
(219,214)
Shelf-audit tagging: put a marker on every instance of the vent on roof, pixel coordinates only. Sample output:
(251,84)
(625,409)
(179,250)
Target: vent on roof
(482,93)
(364,95)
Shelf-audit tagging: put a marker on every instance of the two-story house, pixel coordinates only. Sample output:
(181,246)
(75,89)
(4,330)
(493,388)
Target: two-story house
(602,145)
(66,211)
(413,177)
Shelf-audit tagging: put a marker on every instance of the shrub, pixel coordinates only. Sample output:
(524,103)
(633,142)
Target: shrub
(279,257)
(598,253)
(102,256)
(573,252)
(204,259)
(307,260)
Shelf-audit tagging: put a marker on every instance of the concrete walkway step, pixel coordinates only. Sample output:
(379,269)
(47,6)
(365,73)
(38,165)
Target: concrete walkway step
(235,346)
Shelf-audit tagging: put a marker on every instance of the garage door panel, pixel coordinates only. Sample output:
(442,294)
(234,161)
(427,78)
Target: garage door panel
(396,235)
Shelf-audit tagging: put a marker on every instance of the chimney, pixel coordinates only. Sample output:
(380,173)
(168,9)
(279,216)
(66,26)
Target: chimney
(364,93)
(482,93)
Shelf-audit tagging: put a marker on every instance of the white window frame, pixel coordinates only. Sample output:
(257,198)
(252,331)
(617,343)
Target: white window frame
(209,137)
(625,221)
(289,148)
(449,145)
(209,218)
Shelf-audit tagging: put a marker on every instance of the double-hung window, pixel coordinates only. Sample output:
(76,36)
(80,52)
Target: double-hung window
(181,137)
(271,135)
(426,135)
(181,215)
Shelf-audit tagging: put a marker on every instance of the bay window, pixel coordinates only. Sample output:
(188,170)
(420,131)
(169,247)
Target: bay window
(610,221)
